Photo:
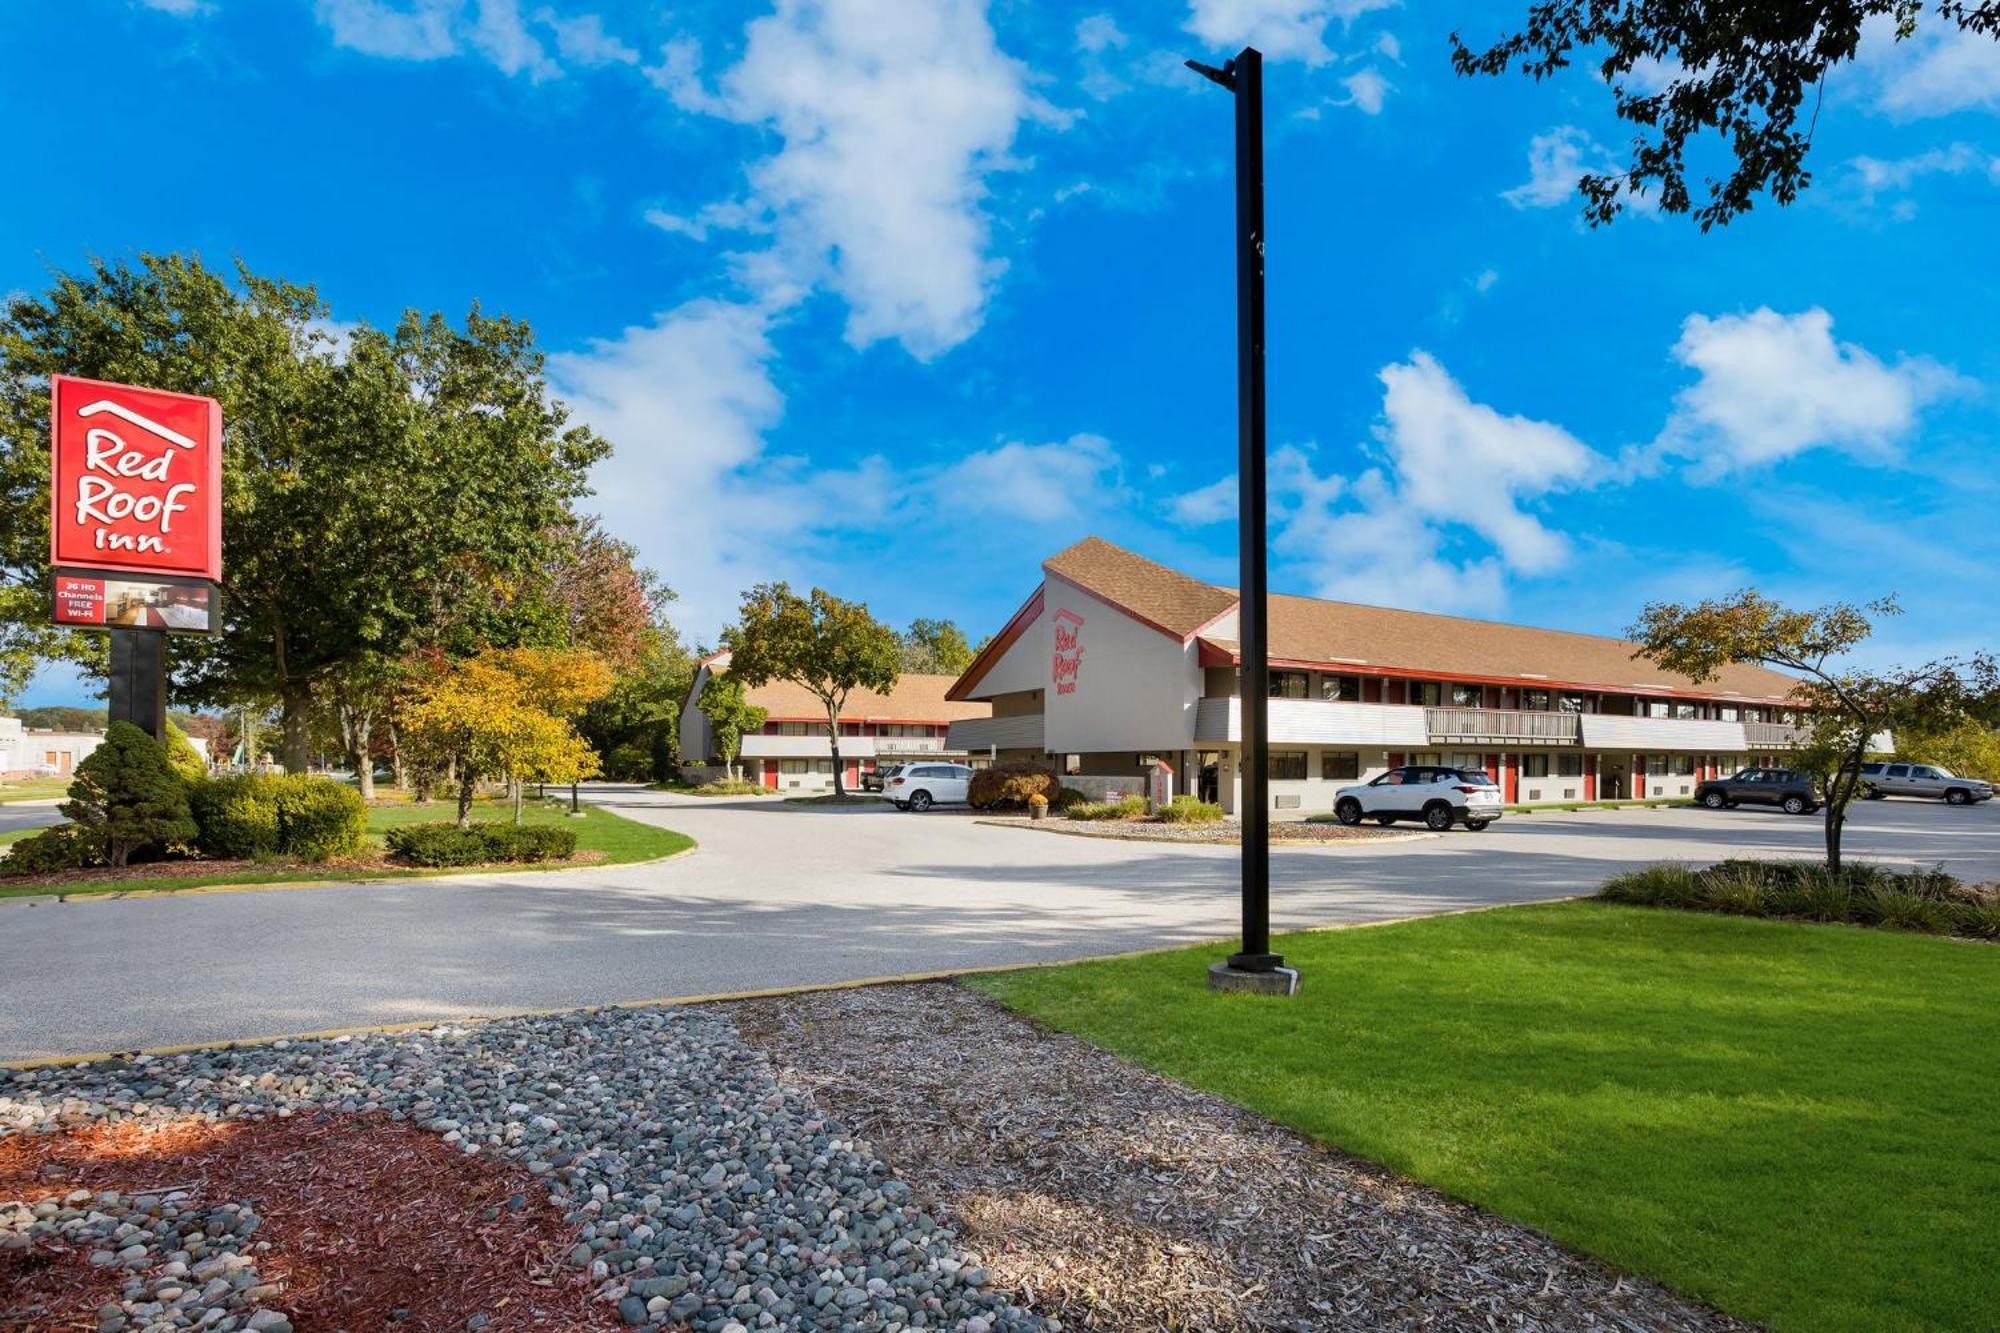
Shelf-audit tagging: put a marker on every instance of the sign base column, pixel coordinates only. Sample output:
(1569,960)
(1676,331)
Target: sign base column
(139,680)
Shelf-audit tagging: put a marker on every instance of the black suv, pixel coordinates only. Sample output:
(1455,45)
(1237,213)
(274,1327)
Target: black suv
(1789,790)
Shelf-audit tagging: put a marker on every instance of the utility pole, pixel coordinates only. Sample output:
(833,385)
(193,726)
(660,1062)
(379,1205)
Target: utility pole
(1254,967)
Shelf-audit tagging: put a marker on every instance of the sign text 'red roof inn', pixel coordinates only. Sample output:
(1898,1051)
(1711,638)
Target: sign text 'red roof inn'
(136,480)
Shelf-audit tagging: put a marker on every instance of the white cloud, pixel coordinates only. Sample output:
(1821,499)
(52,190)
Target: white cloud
(1942,69)
(891,115)
(439,29)
(1556,161)
(1213,503)
(1098,33)
(376,28)
(1443,521)
(1772,386)
(1281,29)
(1869,179)
(583,40)
(1060,482)
(1366,89)
(178,8)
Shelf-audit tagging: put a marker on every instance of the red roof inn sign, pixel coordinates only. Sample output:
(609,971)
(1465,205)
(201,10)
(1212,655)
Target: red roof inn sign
(135,484)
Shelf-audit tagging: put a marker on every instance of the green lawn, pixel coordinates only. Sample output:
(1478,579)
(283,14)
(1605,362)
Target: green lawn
(1799,1124)
(34,789)
(621,840)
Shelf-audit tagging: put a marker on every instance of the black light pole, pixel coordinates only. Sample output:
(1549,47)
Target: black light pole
(1254,967)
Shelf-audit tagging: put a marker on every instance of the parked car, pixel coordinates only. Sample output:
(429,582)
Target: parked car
(874,778)
(921,786)
(1789,790)
(1928,781)
(1440,797)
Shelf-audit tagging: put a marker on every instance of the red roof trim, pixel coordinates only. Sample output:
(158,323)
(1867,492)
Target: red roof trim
(1213,654)
(961,689)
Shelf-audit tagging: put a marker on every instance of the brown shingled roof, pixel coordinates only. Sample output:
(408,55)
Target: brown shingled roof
(1164,598)
(916,698)
(1385,639)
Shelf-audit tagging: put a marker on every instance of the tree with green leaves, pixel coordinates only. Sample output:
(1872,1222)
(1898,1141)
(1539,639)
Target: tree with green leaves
(1751,72)
(127,798)
(373,484)
(1846,706)
(826,646)
(935,648)
(731,716)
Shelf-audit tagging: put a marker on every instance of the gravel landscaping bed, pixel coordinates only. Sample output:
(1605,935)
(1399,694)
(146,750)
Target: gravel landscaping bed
(687,1186)
(1224,834)
(1117,1199)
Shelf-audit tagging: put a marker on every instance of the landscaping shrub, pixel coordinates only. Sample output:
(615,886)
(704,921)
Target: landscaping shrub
(446,844)
(731,787)
(1132,807)
(127,799)
(256,815)
(51,851)
(1068,797)
(1190,810)
(1926,901)
(1002,786)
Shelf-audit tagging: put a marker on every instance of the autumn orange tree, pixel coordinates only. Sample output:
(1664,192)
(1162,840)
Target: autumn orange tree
(505,714)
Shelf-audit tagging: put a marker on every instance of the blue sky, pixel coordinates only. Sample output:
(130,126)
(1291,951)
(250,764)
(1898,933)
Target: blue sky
(901,296)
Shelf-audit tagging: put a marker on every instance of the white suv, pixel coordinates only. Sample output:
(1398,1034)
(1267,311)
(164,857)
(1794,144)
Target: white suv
(1440,797)
(921,786)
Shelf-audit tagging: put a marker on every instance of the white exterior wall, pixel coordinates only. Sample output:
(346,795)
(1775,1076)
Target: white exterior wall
(695,740)
(1136,687)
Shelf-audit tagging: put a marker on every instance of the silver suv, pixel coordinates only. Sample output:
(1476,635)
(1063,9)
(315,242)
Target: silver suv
(1925,780)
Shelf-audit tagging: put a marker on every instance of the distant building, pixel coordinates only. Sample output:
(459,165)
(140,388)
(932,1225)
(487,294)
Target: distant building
(31,751)
(793,751)
(1115,663)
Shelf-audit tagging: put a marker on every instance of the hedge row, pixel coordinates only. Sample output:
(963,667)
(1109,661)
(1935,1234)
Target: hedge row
(261,815)
(446,844)
(1928,901)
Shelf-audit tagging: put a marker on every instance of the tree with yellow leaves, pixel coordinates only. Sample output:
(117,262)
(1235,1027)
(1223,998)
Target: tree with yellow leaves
(504,714)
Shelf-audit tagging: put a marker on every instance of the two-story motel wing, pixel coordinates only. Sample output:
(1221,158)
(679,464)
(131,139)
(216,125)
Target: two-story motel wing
(1117,663)
(793,750)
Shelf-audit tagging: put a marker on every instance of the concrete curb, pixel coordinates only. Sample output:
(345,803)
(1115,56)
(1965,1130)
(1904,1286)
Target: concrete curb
(730,997)
(1277,844)
(200,890)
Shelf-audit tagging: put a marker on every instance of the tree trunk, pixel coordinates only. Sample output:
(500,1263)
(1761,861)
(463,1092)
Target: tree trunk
(296,715)
(519,787)
(396,760)
(574,806)
(1839,792)
(465,797)
(357,728)
(833,742)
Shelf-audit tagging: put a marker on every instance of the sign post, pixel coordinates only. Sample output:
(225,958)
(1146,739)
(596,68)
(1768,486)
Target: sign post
(135,527)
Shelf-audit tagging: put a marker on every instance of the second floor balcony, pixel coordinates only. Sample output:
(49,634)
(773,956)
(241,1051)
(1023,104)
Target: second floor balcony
(1501,726)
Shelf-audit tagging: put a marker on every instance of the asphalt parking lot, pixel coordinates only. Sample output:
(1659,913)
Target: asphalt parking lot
(784,895)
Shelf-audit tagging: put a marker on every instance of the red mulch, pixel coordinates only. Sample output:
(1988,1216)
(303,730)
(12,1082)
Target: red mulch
(366,1217)
(360,867)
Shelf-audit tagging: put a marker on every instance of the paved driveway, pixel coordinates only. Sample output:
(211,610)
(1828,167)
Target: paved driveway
(782,895)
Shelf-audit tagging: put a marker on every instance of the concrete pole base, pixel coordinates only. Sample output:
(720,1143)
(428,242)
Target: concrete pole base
(1277,981)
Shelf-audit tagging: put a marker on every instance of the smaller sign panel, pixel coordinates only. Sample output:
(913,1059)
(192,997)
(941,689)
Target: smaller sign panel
(115,601)
(1068,657)
(135,480)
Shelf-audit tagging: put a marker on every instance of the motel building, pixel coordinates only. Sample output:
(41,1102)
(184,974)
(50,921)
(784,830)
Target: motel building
(1117,665)
(793,751)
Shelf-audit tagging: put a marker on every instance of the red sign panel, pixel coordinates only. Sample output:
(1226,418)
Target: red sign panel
(79,601)
(1068,657)
(135,479)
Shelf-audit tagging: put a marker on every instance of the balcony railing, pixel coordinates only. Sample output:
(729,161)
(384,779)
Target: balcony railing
(1774,735)
(1498,726)
(906,744)
(976,735)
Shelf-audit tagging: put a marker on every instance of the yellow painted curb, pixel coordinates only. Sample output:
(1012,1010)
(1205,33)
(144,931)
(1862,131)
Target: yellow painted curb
(1277,844)
(122,895)
(728,997)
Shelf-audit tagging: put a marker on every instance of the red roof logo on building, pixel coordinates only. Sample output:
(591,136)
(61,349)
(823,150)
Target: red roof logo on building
(1068,651)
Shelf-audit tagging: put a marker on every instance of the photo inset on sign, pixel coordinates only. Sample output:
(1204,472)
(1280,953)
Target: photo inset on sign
(172,606)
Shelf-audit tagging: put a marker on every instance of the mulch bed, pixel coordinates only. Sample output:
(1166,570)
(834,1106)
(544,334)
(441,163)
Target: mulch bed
(359,867)
(371,1224)
(1227,833)
(1120,1200)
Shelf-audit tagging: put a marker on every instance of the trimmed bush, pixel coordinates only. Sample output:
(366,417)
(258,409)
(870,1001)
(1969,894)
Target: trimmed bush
(257,815)
(1132,807)
(1190,810)
(1926,901)
(731,787)
(446,844)
(1068,797)
(1001,786)
(127,798)
(51,851)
